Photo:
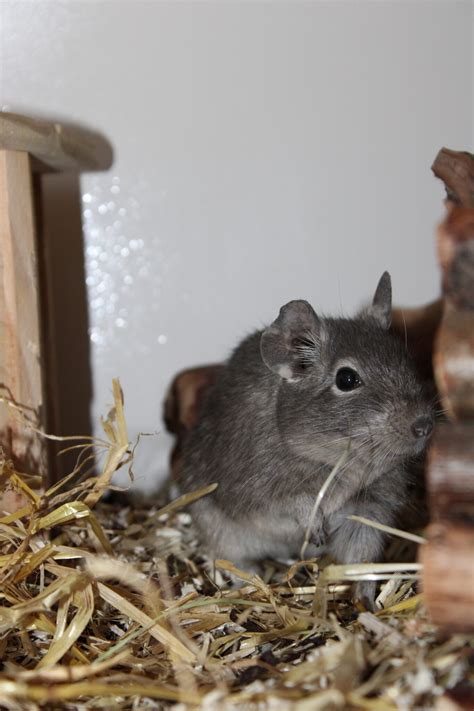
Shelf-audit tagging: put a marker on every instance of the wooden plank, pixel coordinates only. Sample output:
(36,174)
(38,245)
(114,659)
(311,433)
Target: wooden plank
(55,146)
(20,335)
(64,319)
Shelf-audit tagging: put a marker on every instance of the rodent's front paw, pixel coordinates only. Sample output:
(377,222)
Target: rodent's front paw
(316,546)
(318,538)
(364,592)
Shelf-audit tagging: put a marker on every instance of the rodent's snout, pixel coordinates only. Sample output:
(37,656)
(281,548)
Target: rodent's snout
(422,427)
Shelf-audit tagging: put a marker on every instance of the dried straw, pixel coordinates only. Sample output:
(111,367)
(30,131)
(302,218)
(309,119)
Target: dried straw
(111,605)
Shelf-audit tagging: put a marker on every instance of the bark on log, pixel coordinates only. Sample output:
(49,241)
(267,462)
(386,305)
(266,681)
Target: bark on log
(448,558)
(451,474)
(456,170)
(448,579)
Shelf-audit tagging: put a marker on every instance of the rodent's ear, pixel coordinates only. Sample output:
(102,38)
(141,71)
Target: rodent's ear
(381,308)
(289,346)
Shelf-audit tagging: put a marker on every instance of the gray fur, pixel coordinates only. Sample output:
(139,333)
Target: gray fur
(274,425)
(381,308)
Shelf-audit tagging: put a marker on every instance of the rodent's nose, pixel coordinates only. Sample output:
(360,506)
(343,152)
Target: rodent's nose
(422,426)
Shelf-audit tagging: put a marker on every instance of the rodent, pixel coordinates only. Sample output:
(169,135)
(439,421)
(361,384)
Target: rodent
(280,416)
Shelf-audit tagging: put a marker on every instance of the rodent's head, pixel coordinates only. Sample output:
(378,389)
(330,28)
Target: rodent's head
(347,379)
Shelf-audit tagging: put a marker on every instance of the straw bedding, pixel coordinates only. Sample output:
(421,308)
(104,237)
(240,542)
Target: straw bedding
(111,605)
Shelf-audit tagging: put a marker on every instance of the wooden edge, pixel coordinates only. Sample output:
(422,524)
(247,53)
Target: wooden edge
(456,256)
(454,363)
(55,146)
(448,575)
(450,466)
(447,559)
(21,355)
(456,170)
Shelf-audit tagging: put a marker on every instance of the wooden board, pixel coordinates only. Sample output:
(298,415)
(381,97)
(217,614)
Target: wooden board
(55,146)
(20,353)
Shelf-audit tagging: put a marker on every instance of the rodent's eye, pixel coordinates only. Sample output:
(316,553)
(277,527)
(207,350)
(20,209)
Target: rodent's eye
(347,379)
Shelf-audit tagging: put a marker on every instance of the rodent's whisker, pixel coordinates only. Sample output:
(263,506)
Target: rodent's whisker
(405,329)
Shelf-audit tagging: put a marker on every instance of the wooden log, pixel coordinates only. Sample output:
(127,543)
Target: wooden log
(456,170)
(448,557)
(454,363)
(451,480)
(456,256)
(20,333)
(448,575)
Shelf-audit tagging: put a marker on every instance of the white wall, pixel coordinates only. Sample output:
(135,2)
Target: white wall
(264,151)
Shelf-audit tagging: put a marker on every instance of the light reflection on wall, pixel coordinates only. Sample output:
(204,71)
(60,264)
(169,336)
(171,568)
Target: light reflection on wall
(124,266)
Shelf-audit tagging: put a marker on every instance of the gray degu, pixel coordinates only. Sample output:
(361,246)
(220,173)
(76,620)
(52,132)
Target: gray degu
(281,416)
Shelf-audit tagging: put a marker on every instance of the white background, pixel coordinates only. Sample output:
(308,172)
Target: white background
(264,151)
